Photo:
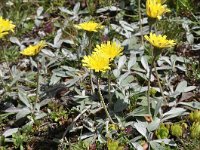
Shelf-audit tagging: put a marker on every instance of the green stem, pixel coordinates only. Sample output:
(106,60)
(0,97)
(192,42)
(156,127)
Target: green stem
(38,84)
(109,88)
(91,82)
(90,35)
(140,18)
(102,101)
(159,84)
(148,91)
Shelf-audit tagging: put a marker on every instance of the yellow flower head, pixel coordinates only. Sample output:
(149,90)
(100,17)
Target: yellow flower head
(155,9)
(109,49)
(5,27)
(33,50)
(96,61)
(89,26)
(159,41)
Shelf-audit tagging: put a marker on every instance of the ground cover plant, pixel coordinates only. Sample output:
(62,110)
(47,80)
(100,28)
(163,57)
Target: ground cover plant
(100,75)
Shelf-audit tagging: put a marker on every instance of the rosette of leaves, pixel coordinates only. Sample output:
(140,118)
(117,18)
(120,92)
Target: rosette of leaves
(177,130)
(195,130)
(162,132)
(195,116)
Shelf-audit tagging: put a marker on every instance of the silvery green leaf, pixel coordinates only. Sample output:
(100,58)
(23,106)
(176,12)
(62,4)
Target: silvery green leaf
(57,39)
(127,81)
(39,11)
(126,25)
(174,112)
(111,8)
(140,111)
(189,88)
(154,124)
(68,41)
(194,104)
(196,47)
(132,61)
(65,10)
(15,40)
(86,136)
(116,27)
(141,127)
(23,113)
(182,68)
(116,73)
(23,98)
(12,110)
(137,146)
(190,38)
(40,115)
(76,8)
(121,62)
(54,79)
(164,58)
(48,52)
(72,81)
(158,107)
(156,146)
(166,141)
(122,77)
(145,63)
(33,62)
(9,132)
(37,22)
(120,105)
(180,87)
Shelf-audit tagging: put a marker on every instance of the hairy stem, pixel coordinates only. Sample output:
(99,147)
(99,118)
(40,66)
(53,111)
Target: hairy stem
(91,82)
(102,101)
(109,88)
(140,18)
(38,84)
(149,82)
(159,84)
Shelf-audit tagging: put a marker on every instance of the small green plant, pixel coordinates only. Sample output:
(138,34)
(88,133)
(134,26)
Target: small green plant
(176,130)
(59,114)
(79,146)
(19,139)
(114,145)
(195,116)
(195,130)
(162,132)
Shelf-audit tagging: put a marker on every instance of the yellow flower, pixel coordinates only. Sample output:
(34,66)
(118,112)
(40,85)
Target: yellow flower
(109,49)
(159,41)
(89,26)
(5,27)
(33,50)
(155,9)
(96,61)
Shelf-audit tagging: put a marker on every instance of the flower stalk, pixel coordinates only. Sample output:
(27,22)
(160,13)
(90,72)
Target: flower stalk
(159,84)
(102,101)
(38,83)
(109,89)
(148,90)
